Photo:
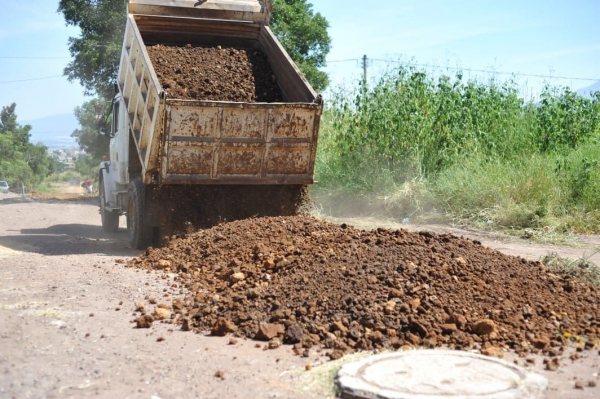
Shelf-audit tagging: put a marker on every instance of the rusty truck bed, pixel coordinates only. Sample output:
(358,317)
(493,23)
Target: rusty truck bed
(212,142)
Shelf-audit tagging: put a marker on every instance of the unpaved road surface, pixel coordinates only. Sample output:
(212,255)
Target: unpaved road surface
(67,304)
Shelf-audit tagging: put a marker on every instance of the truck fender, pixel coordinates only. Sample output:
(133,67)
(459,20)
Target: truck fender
(105,180)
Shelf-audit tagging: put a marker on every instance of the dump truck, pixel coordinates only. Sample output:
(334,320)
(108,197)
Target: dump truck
(177,163)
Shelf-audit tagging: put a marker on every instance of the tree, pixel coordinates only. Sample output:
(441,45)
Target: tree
(21,163)
(8,125)
(97,51)
(304,36)
(88,137)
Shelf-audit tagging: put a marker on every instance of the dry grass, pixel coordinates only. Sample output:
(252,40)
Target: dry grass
(581,268)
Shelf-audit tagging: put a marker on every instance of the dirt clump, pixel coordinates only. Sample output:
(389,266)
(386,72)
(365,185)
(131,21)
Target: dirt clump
(314,284)
(214,73)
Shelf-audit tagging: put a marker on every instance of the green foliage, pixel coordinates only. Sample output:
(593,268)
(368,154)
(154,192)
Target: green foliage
(417,125)
(566,118)
(88,167)
(21,163)
(88,136)
(304,36)
(97,51)
(478,151)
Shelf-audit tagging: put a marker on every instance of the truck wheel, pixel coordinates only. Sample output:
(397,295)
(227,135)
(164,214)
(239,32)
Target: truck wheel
(140,235)
(110,219)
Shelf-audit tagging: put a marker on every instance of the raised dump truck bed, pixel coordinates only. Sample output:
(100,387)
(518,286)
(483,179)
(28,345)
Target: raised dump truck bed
(215,142)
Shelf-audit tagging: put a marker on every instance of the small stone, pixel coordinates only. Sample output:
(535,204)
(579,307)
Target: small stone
(415,303)
(413,339)
(274,343)
(161,314)
(233,341)
(457,319)
(237,277)
(178,304)
(269,263)
(308,367)
(449,328)
(144,321)
(293,334)
(160,339)
(389,307)
(186,325)
(220,374)
(541,342)
(222,327)
(552,365)
(591,383)
(484,327)
(578,384)
(339,326)
(267,331)
(493,351)
(335,355)
(163,264)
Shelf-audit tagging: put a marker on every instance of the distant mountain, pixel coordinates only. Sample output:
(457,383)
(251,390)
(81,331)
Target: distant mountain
(54,131)
(586,91)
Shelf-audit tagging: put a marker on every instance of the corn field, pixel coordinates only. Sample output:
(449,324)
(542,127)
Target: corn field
(449,131)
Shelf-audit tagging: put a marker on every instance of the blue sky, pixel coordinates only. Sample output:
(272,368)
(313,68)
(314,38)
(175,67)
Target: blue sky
(559,38)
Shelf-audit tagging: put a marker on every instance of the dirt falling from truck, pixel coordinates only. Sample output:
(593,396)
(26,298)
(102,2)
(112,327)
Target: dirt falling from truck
(314,284)
(214,73)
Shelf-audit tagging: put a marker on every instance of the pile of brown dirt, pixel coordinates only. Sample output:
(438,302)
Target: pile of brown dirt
(214,73)
(316,284)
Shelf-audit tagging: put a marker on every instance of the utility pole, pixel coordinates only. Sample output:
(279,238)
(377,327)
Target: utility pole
(364,65)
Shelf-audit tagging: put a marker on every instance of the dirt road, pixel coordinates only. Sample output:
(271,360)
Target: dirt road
(66,311)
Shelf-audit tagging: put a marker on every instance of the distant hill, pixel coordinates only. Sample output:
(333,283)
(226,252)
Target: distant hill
(54,131)
(586,91)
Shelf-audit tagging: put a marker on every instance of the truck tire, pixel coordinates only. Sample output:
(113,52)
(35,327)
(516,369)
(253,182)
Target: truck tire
(140,235)
(110,219)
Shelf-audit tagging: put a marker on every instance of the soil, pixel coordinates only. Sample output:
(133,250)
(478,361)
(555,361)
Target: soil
(68,306)
(214,73)
(316,284)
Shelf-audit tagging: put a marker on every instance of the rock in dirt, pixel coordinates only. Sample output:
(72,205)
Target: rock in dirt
(144,321)
(223,327)
(268,331)
(330,286)
(493,351)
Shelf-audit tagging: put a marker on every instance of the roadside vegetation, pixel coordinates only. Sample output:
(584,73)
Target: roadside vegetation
(418,147)
(22,164)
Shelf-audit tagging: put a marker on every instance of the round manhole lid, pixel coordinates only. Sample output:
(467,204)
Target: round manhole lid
(429,374)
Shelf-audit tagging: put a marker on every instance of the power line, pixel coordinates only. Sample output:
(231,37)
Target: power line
(33,58)
(346,60)
(489,71)
(27,80)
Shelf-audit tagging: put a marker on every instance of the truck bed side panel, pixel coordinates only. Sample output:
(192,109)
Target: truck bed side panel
(239,143)
(141,93)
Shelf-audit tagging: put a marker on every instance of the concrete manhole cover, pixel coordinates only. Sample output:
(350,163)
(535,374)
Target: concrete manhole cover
(429,374)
